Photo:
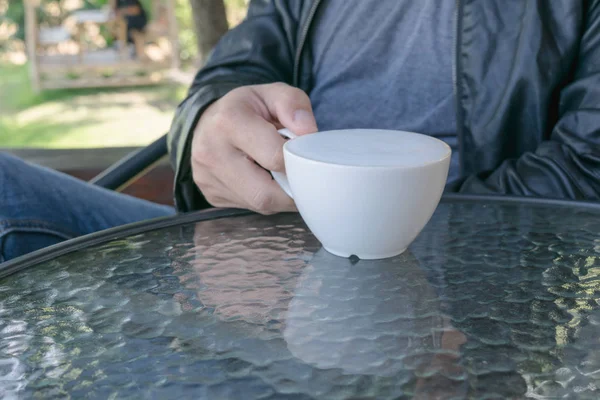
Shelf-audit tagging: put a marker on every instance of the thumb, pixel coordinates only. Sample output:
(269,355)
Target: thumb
(290,106)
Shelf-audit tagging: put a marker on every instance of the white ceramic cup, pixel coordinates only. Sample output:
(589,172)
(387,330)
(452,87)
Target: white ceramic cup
(365,192)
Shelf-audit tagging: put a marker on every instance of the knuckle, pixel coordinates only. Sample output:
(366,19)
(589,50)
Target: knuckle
(204,156)
(273,161)
(262,202)
(212,196)
(293,97)
(242,90)
(221,120)
(200,179)
(288,94)
(269,165)
(213,200)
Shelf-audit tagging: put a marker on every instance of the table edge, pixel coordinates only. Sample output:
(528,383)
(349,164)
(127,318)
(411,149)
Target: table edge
(18,264)
(526,200)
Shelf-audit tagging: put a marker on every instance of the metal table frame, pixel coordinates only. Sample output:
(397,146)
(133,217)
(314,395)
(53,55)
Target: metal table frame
(69,246)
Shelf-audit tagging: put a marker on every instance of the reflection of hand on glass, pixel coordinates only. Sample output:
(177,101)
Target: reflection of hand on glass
(241,275)
(443,377)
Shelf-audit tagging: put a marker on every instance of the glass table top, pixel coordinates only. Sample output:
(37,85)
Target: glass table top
(493,300)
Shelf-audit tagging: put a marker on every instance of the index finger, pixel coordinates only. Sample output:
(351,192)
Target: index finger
(260,140)
(255,186)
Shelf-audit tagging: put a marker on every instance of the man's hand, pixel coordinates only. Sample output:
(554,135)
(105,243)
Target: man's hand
(239,131)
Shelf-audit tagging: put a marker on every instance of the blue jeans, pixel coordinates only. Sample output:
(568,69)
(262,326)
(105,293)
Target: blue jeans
(40,207)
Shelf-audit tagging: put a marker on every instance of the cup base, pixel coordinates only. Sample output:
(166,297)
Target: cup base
(364,256)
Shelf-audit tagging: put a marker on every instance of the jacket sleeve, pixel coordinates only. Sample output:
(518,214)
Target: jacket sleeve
(257,51)
(568,164)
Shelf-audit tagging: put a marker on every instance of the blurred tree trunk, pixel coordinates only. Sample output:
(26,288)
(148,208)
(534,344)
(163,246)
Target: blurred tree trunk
(210,22)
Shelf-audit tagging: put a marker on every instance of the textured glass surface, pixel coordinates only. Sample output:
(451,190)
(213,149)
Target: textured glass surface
(491,301)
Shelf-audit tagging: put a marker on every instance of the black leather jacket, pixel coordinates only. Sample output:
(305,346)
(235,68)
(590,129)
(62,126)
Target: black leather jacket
(527,85)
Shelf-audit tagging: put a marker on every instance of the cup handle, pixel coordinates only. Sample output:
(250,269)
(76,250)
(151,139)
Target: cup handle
(281,177)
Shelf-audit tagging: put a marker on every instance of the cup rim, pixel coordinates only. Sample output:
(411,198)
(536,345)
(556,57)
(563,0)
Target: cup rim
(446,156)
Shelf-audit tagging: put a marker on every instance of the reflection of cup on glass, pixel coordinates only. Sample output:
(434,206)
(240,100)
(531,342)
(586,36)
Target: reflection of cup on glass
(371,318)
(365,192)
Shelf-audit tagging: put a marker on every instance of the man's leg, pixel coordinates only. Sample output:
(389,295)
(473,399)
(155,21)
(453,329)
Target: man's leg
(40,207)
(139,41)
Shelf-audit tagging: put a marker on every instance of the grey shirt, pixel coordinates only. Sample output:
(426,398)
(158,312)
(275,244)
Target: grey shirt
(386,64)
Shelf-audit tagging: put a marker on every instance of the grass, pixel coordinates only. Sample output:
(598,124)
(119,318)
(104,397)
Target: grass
(92,117)
(82,117)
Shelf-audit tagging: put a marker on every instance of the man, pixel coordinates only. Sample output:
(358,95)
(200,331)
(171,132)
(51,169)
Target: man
(131,13)
(513,86)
